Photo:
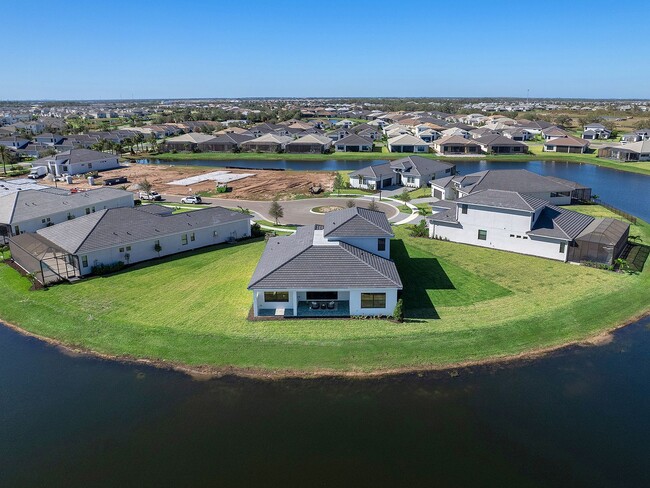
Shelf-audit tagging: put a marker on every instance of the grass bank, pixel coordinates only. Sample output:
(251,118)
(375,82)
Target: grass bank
(536,155)
(464,304)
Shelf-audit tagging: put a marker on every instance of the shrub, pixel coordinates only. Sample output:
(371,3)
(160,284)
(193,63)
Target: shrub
(420,229)
(398,313)
(102,269)
(256,230)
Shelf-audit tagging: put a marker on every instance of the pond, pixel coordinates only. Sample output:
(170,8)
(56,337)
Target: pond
(628,191)
(576,418)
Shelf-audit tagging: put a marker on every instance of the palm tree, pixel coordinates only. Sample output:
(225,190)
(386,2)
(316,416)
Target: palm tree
(4,154)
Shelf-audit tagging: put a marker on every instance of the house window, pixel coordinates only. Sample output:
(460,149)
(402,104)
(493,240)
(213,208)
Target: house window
(92,209)
(276,296)
(128,248)
(322,295)
(84,261)
(192,237)
(482,235)
(90,165)
(463,208)
(373,300)
(16,230)
(121,249)
(562,247)
(184,239)
(381,244)
(512,235)
(87,210)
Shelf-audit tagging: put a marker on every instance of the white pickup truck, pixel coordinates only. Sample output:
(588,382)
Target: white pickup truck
(152,195)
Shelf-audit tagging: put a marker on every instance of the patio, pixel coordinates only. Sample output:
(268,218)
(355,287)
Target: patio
(306,309)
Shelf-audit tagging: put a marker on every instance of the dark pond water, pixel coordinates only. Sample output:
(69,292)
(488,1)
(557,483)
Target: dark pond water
(628,191)
(578,418)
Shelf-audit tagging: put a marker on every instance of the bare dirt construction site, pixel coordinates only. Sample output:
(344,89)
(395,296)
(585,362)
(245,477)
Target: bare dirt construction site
(261,185)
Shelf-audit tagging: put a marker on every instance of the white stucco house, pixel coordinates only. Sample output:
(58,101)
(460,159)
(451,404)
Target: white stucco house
(131,235)
(511,221)
(77,161)
(411,171)
(339,269)
(407,143)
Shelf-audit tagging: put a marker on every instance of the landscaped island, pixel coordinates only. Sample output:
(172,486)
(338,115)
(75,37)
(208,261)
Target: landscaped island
(463,304)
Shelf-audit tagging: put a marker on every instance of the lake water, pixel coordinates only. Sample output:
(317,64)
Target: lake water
(628,191)
(577,418)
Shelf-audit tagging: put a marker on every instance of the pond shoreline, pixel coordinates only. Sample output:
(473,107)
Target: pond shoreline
(205,372)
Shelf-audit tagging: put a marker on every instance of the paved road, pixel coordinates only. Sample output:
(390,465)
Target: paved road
(297,212)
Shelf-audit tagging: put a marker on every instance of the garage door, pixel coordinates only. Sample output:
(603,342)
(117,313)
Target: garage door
(387,182)
(437,194)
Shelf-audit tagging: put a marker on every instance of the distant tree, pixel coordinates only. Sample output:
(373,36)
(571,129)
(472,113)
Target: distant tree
(145,186)
(350,203)
(338,183)
(276,211)
(405,196)
(420,229)
(373,205)
(562,120)
(4,155)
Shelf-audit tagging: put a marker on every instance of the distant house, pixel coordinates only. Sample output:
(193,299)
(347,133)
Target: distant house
(224,142)
(77,161)
(49,139)
(557,191)
(186,142)
(428,135)
(632,151)
(345,123)
(338,134)
(520,223)
(533,126)
(553,133)
(370,133)
(309,144)
(566,144)
(631,137)
(517,134)
(266,143)
(498,144)
(360,279)
(456,145)
(456,131)
(130,235)
(596,131)
(30,210)
(354,143)
(14,142)
(412,171)
(482,131)
(407,143)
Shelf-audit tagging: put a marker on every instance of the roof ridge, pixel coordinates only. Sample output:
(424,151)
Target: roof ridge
(343,246)
(251,284)
(103,213)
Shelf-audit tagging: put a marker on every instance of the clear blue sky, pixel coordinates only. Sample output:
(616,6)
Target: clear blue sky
(222,48)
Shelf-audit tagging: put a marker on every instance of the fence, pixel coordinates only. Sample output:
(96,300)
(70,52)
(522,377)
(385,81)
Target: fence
(615,210)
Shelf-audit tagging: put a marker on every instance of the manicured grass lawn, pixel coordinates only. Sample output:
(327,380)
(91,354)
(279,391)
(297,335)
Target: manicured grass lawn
(462,303)
(424,192)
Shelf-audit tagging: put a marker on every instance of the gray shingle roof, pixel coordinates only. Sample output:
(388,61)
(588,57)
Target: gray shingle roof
(74,156)
(375,171)
(560,223)
(419,165)
(117,226)
(357,222)
(498,140)
(504,199)
(519,180)
(295,262)
(32,204)
(354,140)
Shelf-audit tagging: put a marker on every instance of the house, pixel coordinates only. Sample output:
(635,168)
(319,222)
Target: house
(456,131)
(31,210)
(498,144)
(130,235)
(370,133)
(482,131)
(456,145)
(345,123)
(14,142)
(186,142)
(309,144)
(342,268)
(412,171)
(633,151)
(77,161)
(554,190)
(266,143)
(49,139)
(407,143)
(339,134)
(596,131)
(224,142)
(533,126)
(553,133)
(566,144)
(511,221)
(354,143)
(517,134)
(631,137)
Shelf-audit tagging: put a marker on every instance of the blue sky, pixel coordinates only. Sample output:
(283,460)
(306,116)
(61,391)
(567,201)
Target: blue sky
(165,49)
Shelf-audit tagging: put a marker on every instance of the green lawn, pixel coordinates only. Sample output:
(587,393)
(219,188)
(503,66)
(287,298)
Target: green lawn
(463,303)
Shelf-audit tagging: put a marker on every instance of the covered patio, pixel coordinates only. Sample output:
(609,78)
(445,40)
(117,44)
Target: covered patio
(299,303)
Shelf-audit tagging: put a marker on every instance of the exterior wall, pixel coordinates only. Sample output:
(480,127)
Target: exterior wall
(447,192)
(369,244)
(59,167)
(506,230)
(355,302)
(408,148)
(56,217)
(170,244)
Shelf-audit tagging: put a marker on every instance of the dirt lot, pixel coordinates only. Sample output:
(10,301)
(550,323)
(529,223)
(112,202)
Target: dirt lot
(264,185)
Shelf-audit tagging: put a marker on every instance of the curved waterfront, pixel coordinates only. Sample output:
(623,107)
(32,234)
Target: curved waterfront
(577,417)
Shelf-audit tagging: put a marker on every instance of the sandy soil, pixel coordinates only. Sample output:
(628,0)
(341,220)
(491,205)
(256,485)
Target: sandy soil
(264,185)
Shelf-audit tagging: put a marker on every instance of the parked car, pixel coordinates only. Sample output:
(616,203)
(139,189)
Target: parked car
(193,199)
(37,172)
(152,195)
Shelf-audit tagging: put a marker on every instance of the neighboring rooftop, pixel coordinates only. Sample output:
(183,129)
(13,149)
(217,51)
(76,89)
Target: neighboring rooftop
(357,222)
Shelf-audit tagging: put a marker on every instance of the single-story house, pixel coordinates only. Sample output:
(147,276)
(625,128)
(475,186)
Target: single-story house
(354,143)
(553,132)
(482,131)
(77,161)
(554,190)
(374,177)
(186,142)
(30,210)
(342,268)
(266,143)
(631,137)
(633,151)
(412,171)
(520,223)
(407,143)
(309,144)
(130,235)
(14,142)
(498,144)
(566,144)
(49,139)
(517,134)
(230,142)
(456,145)
(596,131)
